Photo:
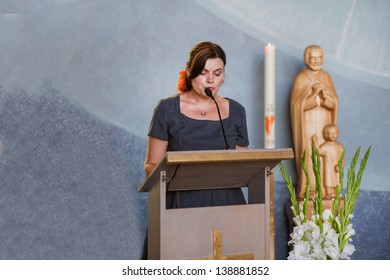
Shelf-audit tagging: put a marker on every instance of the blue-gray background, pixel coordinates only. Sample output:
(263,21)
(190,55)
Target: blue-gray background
(79,81)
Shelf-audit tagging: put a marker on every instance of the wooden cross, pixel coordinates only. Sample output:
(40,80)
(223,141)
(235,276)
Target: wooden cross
(217,250)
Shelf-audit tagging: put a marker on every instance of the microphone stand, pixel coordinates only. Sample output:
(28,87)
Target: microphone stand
(210,94)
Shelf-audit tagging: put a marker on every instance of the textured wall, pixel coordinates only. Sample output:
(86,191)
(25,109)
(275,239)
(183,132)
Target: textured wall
(68,182)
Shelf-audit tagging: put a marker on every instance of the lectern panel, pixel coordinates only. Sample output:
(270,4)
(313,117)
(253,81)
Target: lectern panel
(212,176)
(188,233)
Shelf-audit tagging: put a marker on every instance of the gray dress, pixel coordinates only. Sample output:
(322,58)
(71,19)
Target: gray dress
(186,134)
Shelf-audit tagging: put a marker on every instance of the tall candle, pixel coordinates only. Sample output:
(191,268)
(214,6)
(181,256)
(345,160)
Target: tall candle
(269,96)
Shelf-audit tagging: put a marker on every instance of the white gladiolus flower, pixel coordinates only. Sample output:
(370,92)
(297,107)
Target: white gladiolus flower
(316,235)
(332,238)
(337,219)
(332,252)
(297,220)
(300,252)
(301,216)
(318,252)
(326,229)
(350,230)
(347,251)
(298,233)
(327,213)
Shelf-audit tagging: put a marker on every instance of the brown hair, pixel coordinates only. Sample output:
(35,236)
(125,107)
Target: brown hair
(198,57)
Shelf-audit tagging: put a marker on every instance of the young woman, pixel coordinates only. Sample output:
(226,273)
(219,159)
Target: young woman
(189,120)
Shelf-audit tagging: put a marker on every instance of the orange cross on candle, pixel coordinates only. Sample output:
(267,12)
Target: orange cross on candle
(268,123)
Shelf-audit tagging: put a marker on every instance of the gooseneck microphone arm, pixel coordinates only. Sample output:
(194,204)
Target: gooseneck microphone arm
(210,94)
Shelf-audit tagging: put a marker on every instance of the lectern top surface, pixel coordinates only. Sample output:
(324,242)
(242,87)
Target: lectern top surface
(189,157)
(214,169)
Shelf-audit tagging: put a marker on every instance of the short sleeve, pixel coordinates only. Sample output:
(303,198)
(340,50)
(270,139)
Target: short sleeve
(239,118)
(159,126)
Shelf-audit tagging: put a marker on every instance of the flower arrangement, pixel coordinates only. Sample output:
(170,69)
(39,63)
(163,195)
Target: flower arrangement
(327,234)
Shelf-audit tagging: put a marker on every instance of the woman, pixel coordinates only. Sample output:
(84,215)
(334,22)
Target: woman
(190,121)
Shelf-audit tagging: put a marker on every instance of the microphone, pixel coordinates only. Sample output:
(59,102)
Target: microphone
(210,94)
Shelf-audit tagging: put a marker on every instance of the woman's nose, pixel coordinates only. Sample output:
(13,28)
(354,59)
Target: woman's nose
(210,78)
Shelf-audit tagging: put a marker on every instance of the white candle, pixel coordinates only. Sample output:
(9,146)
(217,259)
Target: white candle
(269,96)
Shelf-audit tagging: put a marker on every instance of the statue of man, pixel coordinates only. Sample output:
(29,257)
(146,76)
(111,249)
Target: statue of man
(313,105)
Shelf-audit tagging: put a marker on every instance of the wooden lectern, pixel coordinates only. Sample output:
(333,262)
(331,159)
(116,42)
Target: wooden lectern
(217,232)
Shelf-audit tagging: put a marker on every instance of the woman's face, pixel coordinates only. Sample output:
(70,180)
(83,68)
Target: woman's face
(211,76)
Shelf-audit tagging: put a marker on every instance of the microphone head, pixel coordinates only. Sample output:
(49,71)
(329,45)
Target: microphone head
(208,92)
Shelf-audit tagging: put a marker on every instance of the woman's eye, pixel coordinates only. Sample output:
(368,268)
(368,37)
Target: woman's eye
(218,73)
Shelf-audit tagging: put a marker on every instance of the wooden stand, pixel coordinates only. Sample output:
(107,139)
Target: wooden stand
(218,232)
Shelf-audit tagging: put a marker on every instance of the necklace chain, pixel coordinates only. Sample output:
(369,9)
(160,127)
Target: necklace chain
(202,112)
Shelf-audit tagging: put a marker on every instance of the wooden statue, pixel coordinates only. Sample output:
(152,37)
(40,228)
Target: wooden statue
(330,152)
(313,105)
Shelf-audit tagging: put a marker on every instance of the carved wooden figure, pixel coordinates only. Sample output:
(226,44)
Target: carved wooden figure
(313,105)
(330,152)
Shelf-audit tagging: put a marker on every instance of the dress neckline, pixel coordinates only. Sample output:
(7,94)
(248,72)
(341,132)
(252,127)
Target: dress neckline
(178,106)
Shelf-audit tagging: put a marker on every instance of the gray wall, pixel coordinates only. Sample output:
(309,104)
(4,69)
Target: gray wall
(109,62)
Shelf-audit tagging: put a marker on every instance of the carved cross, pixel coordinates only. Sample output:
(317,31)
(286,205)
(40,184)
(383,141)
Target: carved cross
(217,250)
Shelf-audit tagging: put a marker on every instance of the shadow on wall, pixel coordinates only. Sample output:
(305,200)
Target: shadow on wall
(68,182)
